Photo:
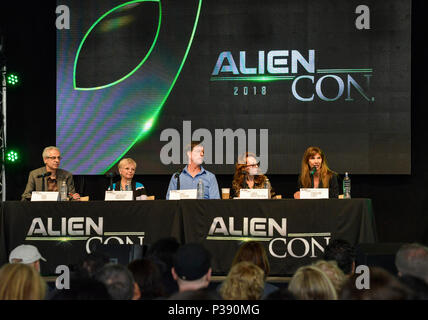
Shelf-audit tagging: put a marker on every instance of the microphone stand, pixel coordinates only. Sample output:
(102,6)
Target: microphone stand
(110,175)
(177,176)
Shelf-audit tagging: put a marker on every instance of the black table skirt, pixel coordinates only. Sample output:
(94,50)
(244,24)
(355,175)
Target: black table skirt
(294,232)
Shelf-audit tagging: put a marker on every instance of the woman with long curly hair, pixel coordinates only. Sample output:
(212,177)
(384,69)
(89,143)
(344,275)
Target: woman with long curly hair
(315,173)
(248,176)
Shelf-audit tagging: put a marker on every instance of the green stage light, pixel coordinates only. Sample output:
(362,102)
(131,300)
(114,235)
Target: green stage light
(12,79)
(12,156)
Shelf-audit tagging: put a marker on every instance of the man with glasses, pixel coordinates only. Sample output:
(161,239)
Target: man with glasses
(50,177)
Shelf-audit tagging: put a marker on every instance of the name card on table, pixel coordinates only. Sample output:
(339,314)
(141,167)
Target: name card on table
(44,196)
(119,196)
(254,194)
(314,193)
(182,194)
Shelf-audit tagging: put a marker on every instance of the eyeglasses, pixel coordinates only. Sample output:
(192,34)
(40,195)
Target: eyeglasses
(256,165)
(53,158)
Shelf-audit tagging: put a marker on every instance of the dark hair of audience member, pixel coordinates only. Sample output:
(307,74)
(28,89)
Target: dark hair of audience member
(254,252)
(383,286)
(418,287)
(164,249)
(82,288)
(118,281)
(162,253)
(148,277)
(91,263)
(342,252)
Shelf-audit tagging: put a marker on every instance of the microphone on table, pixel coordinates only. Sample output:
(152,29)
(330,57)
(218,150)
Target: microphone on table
(110,176)
(43,175)
(46,174)
(314,169)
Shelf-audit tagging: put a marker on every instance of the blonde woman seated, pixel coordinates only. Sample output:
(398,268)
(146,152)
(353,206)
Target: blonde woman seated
(254,252)
(245,281)
(311,283)
(248,176)
(127,167)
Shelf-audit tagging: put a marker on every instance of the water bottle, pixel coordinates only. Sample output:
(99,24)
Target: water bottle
(63,192)
(200,192)
(346,187)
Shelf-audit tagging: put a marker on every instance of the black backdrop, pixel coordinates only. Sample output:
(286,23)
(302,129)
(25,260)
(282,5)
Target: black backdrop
(29,30)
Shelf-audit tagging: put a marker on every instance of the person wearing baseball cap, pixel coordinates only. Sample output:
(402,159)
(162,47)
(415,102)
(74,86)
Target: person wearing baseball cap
(192,267)
(26,254)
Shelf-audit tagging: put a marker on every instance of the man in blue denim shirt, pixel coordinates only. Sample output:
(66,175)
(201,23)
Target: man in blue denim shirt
(190,175)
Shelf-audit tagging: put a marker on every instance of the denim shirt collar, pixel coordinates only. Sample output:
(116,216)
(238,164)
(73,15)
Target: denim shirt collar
(199,173)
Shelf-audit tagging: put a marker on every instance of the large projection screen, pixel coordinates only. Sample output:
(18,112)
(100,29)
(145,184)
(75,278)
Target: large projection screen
(281,75)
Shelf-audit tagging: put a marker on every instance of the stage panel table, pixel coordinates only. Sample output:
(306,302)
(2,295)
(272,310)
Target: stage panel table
(294,232)
(64,230)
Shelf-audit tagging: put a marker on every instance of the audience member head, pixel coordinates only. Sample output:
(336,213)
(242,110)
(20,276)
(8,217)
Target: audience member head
(119,282)
(245,281)
(418,287)
(21,282)
(383,286)
(91,263)
(192,267)
(82,288)
(253,252)
(343,253)
(412,259)
(148,277)
(26,254)
(332,271)
(164,250)
(311,283)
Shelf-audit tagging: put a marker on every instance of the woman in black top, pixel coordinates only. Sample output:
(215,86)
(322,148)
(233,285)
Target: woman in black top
(315,173)
(248,176)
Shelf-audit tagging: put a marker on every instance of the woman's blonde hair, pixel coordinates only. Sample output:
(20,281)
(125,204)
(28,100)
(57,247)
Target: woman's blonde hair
(331,269)
(127,160)
(21,282)
(311,283)
(245,281)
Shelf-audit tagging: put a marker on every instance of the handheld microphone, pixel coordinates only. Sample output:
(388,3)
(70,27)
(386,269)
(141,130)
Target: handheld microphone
(47,174)
(314,169)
